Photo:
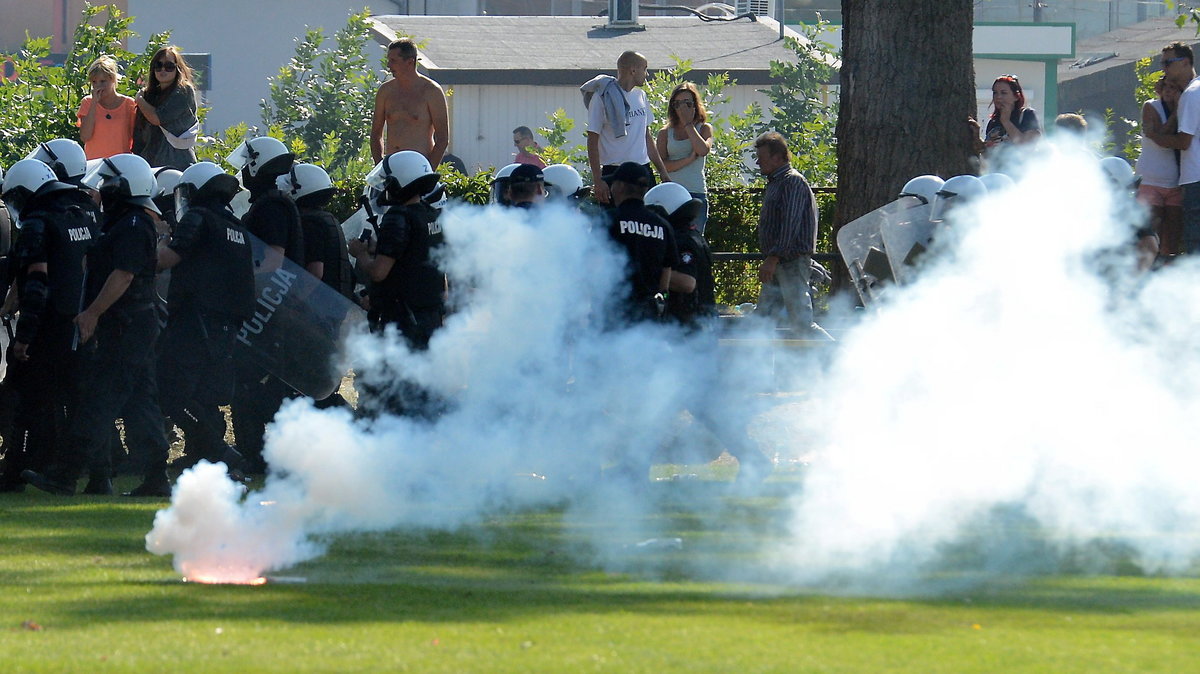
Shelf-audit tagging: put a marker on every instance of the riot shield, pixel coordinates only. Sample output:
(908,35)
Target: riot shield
(355,224)
(907,233)
(862,249)
(299,325)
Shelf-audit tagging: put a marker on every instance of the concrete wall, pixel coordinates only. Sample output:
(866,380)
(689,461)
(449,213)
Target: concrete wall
(249,42)
(43,18)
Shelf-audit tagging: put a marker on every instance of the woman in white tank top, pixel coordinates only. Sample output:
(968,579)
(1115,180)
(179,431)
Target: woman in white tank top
(684,143)
(1159,168)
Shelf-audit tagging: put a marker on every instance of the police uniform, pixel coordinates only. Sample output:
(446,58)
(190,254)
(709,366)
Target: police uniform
(274,218)
(412,298)
(56,229)
(649,241)
(119,361)
(695,260)
(211,293)
(324,241)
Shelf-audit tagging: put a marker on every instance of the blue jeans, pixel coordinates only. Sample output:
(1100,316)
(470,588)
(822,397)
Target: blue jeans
(1190,242)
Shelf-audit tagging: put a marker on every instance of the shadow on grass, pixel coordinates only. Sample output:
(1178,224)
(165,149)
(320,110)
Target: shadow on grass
(512,566)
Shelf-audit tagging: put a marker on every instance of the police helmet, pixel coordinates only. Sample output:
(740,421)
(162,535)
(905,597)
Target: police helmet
(25,180)
(263,157)
(955,192)
(124,178)
(203,180)
(166,178)
(64,156)
(401,176)
(1119,172)
(675,203)
(500,183)
(923,187)
(563,182)
(996,182)
(307,184)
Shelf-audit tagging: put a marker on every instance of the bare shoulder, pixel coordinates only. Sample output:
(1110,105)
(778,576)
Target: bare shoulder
(431,88)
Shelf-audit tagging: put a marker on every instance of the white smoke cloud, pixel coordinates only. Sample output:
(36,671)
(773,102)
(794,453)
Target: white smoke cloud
(1027,405)
(535,386)
(1030,391)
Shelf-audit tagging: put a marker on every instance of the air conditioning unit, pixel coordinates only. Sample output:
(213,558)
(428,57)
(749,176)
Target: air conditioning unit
(622,13)
(758,7)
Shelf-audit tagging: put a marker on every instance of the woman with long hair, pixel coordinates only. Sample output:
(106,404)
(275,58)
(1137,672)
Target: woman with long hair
(1011,121)
(1159,169)
(163,132)
(684,143)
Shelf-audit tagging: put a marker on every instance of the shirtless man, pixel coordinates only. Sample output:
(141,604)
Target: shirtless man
(412,106)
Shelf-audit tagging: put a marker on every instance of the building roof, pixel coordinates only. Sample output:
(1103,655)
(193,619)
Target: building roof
(559,50)
(1124,46)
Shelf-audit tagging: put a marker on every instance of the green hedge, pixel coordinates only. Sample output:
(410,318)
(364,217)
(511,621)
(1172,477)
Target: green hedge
(732,225)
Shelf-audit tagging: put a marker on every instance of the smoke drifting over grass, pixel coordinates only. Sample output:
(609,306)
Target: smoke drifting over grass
(1028,405)
(534,384)
(1030,396)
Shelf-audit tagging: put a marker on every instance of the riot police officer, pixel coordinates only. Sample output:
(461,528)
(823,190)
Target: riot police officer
(274,218)
(55,233)
(121,324)
(309,186)
(210,294)
(677,206)
(409,290)
(648,240)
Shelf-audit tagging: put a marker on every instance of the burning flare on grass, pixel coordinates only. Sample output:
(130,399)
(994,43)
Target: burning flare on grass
(222,579)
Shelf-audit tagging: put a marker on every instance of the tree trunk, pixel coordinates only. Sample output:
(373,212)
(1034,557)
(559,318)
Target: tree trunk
(907,89)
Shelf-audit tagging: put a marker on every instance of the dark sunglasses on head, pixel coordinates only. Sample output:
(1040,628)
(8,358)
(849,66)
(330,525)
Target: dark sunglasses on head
(165,66)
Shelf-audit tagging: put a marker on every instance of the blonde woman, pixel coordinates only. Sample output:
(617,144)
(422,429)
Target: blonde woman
(105,118)
(167,103)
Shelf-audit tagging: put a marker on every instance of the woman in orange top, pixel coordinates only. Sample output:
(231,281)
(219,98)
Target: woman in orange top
(106,117)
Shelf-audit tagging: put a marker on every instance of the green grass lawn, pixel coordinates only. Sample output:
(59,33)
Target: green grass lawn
(79,593)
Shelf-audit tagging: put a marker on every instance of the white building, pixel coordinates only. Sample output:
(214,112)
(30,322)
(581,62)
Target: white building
(249,41)
(504,72)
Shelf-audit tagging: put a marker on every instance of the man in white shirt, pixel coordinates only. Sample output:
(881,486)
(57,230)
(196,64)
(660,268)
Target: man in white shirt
(1177,134)
(619,123)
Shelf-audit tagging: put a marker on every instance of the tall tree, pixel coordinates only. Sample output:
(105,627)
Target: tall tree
(907,89)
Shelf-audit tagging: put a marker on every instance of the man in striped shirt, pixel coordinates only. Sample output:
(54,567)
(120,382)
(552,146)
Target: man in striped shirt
(787,231)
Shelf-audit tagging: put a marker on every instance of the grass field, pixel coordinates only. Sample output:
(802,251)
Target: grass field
(79,593)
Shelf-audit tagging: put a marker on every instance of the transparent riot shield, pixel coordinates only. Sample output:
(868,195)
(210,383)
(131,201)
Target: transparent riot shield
(907,233)
(299,327)
(862,249)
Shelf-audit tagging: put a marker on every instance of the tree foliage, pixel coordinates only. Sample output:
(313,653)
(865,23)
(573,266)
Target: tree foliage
(802,108)
(41,103)
(323,98)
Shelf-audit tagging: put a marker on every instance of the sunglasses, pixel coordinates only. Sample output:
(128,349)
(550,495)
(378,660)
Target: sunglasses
(1167,62)
(682,104)
(165,66)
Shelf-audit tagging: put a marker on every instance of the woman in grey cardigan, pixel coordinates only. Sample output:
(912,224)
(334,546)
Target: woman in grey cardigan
(166,104)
